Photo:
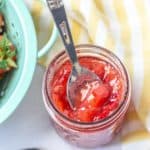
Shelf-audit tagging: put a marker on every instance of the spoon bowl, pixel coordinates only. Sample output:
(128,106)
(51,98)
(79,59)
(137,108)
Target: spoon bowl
(80,83)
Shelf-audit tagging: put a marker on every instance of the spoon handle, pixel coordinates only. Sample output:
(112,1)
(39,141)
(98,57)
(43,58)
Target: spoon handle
(58,12)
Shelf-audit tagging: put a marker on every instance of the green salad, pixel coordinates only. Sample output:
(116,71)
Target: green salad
(7,56)
(8,52)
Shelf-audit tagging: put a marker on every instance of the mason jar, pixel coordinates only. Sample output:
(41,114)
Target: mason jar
(87,134)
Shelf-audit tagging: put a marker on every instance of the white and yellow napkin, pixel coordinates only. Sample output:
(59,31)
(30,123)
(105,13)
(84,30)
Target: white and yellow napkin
(123,26)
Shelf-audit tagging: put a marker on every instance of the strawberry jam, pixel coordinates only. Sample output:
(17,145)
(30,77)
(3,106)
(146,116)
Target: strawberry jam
(100,108)
(97,101)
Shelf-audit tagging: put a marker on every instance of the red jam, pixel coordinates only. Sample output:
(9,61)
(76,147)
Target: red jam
(102,100)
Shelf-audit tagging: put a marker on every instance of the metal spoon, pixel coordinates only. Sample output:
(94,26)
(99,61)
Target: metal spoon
(79,75)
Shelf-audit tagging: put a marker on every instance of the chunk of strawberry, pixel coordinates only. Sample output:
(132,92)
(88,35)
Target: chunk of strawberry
(97,98)
(103,91)
(85,114)
(110,73)
(98,68)
(101,95)
(94,65)
(60,90)
(59,102)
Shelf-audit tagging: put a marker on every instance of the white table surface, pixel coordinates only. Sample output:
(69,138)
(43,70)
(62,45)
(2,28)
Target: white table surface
(29,125)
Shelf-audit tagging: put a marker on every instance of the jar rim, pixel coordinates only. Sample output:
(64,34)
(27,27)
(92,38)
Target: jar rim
(104,121)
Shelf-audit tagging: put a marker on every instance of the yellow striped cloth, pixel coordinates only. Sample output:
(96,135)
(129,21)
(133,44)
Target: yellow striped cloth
(122,26)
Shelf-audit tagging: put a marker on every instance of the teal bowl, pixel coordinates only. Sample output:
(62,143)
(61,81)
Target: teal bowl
(21,31)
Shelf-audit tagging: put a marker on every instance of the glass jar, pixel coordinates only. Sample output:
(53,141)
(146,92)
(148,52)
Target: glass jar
(91,134)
